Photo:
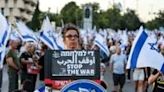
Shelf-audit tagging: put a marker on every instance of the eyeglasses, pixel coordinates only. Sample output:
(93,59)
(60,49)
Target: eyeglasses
(70,36)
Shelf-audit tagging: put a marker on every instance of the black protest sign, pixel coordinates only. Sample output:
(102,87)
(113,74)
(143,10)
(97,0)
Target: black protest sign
(77,64)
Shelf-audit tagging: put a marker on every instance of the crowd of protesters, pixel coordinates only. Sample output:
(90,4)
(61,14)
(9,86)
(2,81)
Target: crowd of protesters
(23,58)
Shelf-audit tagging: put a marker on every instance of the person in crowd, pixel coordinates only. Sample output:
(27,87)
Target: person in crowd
(127,52)
(41,62)
(71,40)
(26,87)
(27,61)
(147,74)
(23,48)
(13,65)
(118,64)
(102,74)
(71,37)
(139,77)
(157,77)
(102,69)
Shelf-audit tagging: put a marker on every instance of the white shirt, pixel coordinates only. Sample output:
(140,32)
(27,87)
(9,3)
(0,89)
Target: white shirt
(118,63)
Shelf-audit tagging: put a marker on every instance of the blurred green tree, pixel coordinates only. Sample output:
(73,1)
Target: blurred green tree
(130,20)
(35,23)
(71,13)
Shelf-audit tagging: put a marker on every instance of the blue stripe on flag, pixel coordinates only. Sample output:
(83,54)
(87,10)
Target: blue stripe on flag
(137,49)
(101,46)
(60,48)
(42,89)
(103,55)
(46,38)
(162,69)
(28,37)
(4,37)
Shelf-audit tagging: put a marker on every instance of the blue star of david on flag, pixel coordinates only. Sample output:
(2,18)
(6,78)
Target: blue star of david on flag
(50,33)
(153,46)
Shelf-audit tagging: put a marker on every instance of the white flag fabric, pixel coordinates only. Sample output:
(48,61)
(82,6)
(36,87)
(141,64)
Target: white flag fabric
(26,33)
(15,35)
(6,35)
(124,38)
(47,35)
(2,55)
(102,44)
(5,30)
(144,53)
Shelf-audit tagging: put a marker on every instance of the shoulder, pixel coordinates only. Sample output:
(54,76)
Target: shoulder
(10,53)
(112,56)
(124,56)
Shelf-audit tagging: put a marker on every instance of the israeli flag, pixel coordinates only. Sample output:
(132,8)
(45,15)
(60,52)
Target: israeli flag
(144,53)
(5,30)
(47,35)
(2,54)
(6,36)
(15,35)
(101,43)
(26,33)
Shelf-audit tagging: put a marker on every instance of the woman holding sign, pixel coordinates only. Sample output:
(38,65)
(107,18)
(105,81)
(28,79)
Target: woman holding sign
(71,37)
(71,40)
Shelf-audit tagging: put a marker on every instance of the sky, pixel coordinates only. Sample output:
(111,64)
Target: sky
(146,9)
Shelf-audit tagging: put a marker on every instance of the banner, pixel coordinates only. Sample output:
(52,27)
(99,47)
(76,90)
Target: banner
(62,65)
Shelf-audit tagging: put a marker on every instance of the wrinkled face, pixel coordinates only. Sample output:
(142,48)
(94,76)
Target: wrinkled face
(71,40)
